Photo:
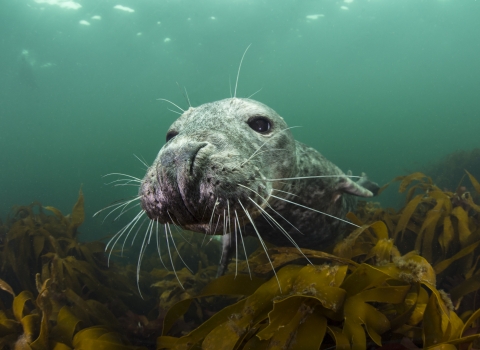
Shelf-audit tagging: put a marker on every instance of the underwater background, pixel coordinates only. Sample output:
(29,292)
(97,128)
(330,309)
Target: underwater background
(379,86)
(390,88)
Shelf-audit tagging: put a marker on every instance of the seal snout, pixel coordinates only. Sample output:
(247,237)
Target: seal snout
(181,156)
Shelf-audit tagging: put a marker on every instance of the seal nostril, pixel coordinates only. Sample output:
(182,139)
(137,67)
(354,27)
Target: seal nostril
(193,151)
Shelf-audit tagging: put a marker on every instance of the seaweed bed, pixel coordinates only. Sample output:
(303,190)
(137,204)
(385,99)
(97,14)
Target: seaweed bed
(405,279)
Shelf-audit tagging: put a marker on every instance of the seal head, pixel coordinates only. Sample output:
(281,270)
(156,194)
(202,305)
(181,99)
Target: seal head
(215,164)
(234,164)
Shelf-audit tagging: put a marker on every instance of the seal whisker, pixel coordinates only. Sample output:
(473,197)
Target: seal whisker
(313,177)
(130,176)
(261,242)
(290,193)
(171,110)
(177,228)
(281,229)
(120,233)
(141,161)
(268,204)
(158,246)
(236,249)
(211,217)
(185,94)
(123,211)
(317,211)
(269,150)
(243,244)
(135,235)
(167,227)
(143,248)
(163,99)
(263,144)
(117,206)
(118,203)
(238,73)
(173,241)
(255,93)
(119,180)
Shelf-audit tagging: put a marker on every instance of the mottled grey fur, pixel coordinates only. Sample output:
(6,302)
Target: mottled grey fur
(203,166)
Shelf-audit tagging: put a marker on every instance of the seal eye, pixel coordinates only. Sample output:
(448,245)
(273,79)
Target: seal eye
(259,124)
(171,135)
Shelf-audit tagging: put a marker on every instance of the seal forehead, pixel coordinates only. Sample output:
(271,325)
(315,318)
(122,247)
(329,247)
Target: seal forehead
(228,112)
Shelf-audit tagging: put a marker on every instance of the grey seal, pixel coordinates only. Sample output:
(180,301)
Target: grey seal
(233,166)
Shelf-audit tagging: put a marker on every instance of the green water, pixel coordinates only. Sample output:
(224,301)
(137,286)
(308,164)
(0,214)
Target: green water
(379,86)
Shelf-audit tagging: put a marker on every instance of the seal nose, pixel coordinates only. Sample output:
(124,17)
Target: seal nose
(184,154)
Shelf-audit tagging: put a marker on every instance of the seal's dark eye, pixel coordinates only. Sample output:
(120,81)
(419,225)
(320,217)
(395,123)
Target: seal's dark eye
(171,135)
(261,125)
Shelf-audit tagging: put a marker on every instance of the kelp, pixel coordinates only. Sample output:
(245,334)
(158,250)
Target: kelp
(377,286)
(58,286)
(381,286)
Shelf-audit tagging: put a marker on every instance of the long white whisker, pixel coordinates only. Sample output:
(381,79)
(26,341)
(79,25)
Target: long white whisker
(123,211)
(255,93)
(123,229)
(136,233)
(317,211)
(213,212)
(243,243)
(263,144)
(120,180)
(177,228)
(141,253)
(312,177)
(141,161)
(171,110)
(163,99)
(238,73)
(120,233)
(262,243)
(290,193)
(158,246)
(167,227)
(282,230)
(268,204)
(224,232)
(188,99)
(117,204)
(184,263)
(130,176)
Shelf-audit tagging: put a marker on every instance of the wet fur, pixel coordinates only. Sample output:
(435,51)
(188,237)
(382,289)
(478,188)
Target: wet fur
(217,168)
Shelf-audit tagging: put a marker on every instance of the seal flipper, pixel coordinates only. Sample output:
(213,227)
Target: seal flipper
(361,188)
(369,185)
